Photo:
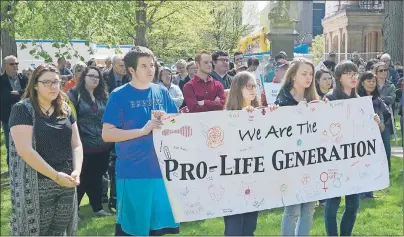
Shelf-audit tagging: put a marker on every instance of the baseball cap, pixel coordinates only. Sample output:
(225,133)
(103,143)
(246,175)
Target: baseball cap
(280,63)
(332,53)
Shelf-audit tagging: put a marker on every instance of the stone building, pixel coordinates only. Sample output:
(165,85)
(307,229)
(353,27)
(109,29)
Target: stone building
(350,26)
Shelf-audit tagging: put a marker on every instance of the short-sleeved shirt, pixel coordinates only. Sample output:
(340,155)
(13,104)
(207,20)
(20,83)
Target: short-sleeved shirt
(52,136)
(130,108)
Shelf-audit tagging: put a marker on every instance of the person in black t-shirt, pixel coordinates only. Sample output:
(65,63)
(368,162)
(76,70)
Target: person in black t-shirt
(45,146)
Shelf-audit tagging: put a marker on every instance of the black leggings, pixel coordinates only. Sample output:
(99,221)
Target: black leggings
(94,167)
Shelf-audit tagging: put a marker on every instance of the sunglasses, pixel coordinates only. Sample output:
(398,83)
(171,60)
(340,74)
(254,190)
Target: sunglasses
(382,70)
(13,64)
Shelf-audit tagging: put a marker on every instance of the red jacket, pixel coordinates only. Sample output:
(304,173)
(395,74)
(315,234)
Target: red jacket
(198,90)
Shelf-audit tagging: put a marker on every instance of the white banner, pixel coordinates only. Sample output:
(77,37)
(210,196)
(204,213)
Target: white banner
(229,162)
(271,91)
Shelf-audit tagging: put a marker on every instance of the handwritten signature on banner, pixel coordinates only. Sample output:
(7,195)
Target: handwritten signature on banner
(216,164)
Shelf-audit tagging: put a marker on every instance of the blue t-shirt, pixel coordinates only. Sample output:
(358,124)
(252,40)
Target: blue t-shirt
(130,108)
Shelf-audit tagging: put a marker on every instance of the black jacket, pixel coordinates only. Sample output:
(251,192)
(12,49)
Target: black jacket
(110,80)
(7,100)
(284,98)
(226,81)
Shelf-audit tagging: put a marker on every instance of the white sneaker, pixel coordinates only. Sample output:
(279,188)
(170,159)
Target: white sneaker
(102,213)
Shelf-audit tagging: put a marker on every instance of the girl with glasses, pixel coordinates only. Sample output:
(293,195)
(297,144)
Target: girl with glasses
(346,79)
(242,95)
(45,159)
(90,98)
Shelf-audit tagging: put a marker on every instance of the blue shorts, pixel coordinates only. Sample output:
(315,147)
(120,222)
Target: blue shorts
(143,207)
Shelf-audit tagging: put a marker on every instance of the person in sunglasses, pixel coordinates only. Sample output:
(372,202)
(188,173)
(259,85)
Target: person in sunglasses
(387,92)
(12,86)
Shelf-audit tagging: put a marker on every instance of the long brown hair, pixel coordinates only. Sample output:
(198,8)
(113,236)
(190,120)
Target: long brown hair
(235,97)
(100,92)
(61,109)
(310,93)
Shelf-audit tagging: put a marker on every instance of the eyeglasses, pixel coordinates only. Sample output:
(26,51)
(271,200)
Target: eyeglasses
(225,60)
(13,64)
(93,77)
(351,74)
(382,70)
(250,87)
(49,83)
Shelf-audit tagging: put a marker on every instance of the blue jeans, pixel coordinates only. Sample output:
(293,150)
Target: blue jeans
(300,213)
(348,218)
(6,130)
(387,146)
(240,224)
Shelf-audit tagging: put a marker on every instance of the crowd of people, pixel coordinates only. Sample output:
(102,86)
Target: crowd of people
(70,127)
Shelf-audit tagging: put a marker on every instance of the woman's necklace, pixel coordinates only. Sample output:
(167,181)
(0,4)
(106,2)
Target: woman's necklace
(46,110)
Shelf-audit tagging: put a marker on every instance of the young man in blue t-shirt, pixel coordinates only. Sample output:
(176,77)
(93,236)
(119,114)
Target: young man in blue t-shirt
(142,202)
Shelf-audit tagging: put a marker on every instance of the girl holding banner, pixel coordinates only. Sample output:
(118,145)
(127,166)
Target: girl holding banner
(298,88)
(346,78)
(242,95)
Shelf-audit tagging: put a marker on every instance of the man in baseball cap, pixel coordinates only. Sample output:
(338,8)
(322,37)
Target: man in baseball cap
(332,56)
(281,67)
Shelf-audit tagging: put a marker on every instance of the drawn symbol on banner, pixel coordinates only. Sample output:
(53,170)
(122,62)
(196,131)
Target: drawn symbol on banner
(246,191)
(161,145)
(167,153)
(299,111)
(367,165)
(185,131)
(335,129)
(185,192)
(313,109)
(324,179)
(337,181)
(263,111)
(250,118)
(283,188)
(306,179)
(215,137)
(325,132)
(299,142)
(363,112)
(216,193)
(348,111)
(172,120)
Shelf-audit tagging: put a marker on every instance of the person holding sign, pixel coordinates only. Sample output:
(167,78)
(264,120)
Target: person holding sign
(143,207)
(298,88)
(244,86)
(346,78)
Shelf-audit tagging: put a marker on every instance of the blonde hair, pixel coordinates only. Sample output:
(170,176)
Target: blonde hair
(235,99)
(310,93)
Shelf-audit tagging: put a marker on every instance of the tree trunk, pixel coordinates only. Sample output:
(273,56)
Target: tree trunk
(8,45)
(393,30)
(141,8)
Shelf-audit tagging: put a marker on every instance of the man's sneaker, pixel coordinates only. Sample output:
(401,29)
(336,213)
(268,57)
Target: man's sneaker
(102,213)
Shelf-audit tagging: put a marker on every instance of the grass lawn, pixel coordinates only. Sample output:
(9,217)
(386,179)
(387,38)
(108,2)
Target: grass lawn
(398,132)
(382,216)
(3,163)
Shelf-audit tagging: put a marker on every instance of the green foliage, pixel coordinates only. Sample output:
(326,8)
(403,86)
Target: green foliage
(173,29)
(317,48)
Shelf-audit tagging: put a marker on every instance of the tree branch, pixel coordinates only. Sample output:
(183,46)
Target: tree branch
(153,12)
(161,18)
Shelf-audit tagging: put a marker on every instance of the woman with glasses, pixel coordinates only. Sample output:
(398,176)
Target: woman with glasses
(387,92)
(346,79)
(90,98)
(368,87)
(298,88)
(45,159)
(244,87)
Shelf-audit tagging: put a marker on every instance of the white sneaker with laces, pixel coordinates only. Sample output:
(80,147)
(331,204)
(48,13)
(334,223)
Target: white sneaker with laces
(102,213)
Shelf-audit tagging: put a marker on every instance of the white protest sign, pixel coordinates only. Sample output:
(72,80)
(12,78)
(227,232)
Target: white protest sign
(229,162)
(321,66)
(271,91)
